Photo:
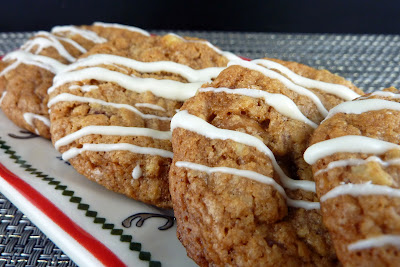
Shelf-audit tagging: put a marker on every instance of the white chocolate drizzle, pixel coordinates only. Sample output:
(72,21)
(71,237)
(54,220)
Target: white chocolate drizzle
(49,40)
(2,97)
(285,81)
(151,106)
(87,34)
(227,54)
(120,26)
(361,106)
(374,242)
(279,102)
(137,172)
(29,117)
(73,152)
(348,143)
(366,189)
(23,57)
(71,97)
(195,124)
(336,89)
(357,162)
(192,75)
(250,175)
(112,130)
(83,88)
(163,88)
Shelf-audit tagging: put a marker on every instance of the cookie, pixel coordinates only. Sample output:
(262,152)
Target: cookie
(29,72)
(111,110)
(236,144)
(355,159)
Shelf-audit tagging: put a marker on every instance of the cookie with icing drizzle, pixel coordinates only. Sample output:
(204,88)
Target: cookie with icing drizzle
(111,110)
(355,157)
(242,194)
(27,74)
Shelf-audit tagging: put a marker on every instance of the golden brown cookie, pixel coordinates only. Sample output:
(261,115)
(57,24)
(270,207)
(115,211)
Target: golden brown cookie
(236,143)
(355,159)
(111,110)
(29,72)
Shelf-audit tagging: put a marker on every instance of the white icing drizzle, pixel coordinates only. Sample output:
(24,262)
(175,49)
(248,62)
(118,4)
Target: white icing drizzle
(250,175)
(29,117)
(358,107)
(279,102)
(195,124)
(339,90)
(148,105)
(120,26)
(48,41)
(163,88)
(71,97)
(285,81)
(192,75)
(381,93)
(87,34)
(2,97)
(73,152)
(43,62)
(228,55)
(112,130)
(375,242)
(357,162)
(137,172)
(361,190)
(348,143)
(83,88)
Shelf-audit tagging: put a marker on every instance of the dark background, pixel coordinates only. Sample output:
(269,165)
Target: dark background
(352,16)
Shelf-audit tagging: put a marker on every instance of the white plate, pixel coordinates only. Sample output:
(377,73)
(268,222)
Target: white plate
(89,223)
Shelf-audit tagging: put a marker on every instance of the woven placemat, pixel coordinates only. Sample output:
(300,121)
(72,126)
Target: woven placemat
(371,62)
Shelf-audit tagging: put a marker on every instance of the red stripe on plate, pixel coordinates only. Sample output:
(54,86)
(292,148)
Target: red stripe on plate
(94,246)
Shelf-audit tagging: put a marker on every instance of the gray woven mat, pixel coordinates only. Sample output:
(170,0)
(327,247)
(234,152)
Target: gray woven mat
(370,61)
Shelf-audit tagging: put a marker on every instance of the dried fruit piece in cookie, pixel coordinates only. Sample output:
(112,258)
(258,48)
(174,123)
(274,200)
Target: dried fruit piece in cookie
(355,157)
(111,110)
(235,145)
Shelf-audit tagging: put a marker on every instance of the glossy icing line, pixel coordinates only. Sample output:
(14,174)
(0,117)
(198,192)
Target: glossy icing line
(73,152)
(195,124)
(285,81)
(2,97)
(357,162)
(123,27)
(339,90)
(27,58)
(83,88)
(348,143)
(163,88)
(279,102)
(151,106)
(71,97)
(112,130)
(375,242)
(87,34)
(362,106)
(44,40)
(29,117)
(192,75)
(366,189)
(253,176)
(230,56)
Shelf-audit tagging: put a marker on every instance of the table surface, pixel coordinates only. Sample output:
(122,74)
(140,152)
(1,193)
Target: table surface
(371,62)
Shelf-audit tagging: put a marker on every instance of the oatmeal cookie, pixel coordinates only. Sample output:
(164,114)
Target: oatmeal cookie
(235,145)
(355,159)
(111,110)
(29,72)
